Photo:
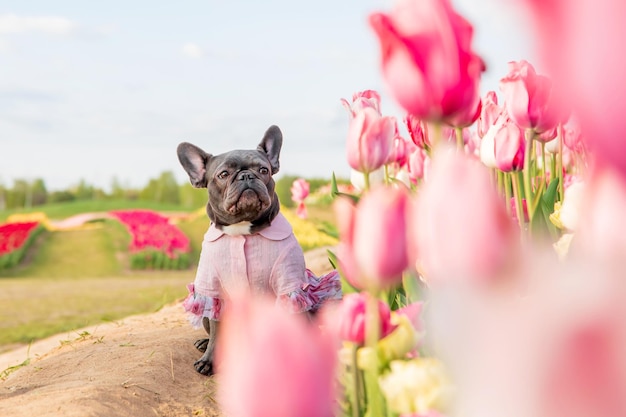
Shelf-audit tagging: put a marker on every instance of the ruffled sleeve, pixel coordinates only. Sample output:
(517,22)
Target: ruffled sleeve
(198,306)
(313,293)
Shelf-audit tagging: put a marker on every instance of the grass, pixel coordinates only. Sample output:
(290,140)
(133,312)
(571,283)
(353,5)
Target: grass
(72,279)
(79,253)
(33,308)
(64,210)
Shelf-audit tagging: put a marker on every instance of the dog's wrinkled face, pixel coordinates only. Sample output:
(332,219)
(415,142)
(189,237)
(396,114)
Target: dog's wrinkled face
(239,182)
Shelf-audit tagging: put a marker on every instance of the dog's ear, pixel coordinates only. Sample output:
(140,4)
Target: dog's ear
(270,144)
(194,160)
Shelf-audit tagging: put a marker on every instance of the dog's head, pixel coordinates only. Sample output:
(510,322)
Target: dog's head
(242,198)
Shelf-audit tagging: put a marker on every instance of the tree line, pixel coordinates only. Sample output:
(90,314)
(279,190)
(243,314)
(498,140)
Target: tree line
(163,189)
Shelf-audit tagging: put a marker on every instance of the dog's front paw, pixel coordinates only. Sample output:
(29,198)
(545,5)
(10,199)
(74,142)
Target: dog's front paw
(201,344)
(204,366)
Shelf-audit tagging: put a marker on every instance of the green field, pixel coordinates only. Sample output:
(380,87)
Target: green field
(75,278)
(71,279)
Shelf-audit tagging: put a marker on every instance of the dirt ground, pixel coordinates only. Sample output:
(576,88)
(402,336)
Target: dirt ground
(139,366)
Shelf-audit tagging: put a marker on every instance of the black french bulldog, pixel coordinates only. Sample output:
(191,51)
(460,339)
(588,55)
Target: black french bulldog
(242,201)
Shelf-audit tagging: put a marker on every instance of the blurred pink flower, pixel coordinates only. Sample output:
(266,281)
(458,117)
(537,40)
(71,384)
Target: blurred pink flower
(514,211)
(272,364)
(299,192)
(469,115)
(351,317)
(577,41)
(460,224)
(361,100)
(370,140)
(528,98)
(414,313)
(566,333)
(601,225)
(373,234)
(427,60)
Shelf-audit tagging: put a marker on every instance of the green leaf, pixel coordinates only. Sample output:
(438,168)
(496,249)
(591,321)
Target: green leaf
(412,287)
(346,287)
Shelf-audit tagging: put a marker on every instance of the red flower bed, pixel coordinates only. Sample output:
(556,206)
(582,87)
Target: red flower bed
(14,240)
(155,242)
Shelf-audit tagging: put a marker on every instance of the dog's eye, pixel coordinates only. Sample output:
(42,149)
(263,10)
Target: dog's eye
(264,170)
(222,175)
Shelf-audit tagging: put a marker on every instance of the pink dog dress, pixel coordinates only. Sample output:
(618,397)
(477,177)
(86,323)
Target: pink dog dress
(269,263)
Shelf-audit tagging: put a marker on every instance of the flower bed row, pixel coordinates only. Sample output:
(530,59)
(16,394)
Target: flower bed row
(155,244)
(15,238)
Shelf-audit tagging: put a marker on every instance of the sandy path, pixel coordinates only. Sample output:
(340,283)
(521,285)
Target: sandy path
(139,366)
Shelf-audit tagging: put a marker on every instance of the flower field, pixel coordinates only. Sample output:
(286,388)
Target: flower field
(15,238)
(155,242)
(484,238)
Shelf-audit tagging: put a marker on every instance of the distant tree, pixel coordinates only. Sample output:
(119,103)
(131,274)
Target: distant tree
(17,196)
(61,196)
(149,192)
(38,192)
(117,190)
(83,191)
(3,197)
(163,189)
(191,197)
(168,188)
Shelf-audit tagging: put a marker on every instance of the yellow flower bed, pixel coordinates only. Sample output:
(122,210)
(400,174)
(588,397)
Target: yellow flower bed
(307,232)
(30,217)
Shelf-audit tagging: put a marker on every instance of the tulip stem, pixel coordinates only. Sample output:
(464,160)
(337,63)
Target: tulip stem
(436,135)
(460,143)
(528,191)
(519,209)
(356,383)
(507,190)
(366,181)
(559,165)
(372,335)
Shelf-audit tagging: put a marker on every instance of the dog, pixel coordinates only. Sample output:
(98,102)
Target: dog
(250,247)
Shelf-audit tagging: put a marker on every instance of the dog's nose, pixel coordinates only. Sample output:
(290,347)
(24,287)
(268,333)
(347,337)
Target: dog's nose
(245,176)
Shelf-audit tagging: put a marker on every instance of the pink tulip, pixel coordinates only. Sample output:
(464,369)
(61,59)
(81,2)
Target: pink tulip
(373,251)
(509,147)
(370,140)
(361,100)
(577,41)
(413,312)
(468,116)
(416,130)
(489,113)
(299,192)
(427,61)
(461,226)
(400,149)
(503,145)
(352,318)
(416,164)
(529,99)
(272,364)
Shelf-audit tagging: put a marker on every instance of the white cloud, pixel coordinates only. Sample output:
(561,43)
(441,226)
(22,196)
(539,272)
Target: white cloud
(55,25)
(192,50)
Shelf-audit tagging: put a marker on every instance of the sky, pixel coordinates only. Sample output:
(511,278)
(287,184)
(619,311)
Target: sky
(100,90)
